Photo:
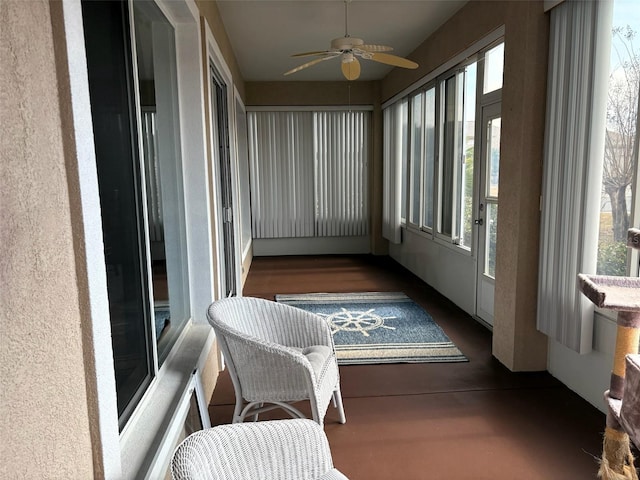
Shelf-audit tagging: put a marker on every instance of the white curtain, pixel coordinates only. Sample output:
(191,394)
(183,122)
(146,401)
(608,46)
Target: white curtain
(309,173)
(579,49)
(393,147)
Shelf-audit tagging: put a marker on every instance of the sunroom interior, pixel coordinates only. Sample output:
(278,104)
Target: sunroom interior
(148,183)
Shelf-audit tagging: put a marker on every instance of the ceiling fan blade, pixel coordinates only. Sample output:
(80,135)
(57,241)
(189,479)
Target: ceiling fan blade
(375,48)
(392,60)
(308,64)
(310,54)
(351,70)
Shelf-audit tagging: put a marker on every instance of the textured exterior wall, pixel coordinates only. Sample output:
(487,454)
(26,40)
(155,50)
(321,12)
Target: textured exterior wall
(44,430)
(516,342)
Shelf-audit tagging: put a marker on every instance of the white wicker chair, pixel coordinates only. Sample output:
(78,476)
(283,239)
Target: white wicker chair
(272,450)
(276,355)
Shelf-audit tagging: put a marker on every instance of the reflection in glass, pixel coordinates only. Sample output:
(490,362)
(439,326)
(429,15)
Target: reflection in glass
(156,60)
(108,53)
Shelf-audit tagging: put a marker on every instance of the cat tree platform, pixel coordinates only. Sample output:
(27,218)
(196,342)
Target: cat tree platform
(621,294)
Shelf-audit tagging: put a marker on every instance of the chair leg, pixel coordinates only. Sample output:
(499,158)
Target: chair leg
(337,402)
(237,411)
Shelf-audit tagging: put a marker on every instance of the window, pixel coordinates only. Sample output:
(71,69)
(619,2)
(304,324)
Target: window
(455,175)
(439,153)
(416,152)
(493,69)
(620,164)
(429,156)
(402,122)
(136,132)
(309,173)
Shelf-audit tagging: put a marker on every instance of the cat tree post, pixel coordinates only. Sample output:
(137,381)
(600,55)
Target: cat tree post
(621,294)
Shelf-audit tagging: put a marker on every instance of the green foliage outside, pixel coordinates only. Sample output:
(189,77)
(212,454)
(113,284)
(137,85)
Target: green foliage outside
(468,196)
(612,259)
(612,255)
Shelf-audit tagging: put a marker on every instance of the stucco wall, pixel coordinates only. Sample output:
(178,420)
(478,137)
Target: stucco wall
(45,430)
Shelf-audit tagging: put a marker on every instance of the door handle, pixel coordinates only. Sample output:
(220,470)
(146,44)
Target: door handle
(479,221)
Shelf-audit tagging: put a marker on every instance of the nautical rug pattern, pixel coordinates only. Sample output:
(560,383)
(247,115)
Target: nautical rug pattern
(379,327)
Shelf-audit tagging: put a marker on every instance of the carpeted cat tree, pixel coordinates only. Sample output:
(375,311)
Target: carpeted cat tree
(621,294)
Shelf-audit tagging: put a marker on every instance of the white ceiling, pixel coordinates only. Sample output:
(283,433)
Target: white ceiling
(264,33)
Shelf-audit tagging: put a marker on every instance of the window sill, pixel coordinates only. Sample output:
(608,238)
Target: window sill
(148,440)
(436,238)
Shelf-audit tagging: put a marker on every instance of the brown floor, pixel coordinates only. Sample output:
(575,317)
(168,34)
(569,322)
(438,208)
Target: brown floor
(473,420)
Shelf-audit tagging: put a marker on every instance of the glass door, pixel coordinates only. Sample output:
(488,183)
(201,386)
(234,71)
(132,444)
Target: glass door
(220,132)
(487,212)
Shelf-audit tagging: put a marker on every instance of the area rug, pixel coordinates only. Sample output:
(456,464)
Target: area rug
(379,327)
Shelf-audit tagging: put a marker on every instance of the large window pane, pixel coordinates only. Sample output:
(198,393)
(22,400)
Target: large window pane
(468,138)
(404,115)
(106,28)
(621,152)
(447,165)
(429,155)
(416,156)
(156,60)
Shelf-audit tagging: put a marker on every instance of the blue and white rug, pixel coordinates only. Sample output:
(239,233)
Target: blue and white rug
(379,327)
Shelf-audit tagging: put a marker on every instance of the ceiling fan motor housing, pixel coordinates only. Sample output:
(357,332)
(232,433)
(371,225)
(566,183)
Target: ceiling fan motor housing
(346,43)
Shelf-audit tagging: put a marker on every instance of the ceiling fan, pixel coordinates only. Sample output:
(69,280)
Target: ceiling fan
(348,49)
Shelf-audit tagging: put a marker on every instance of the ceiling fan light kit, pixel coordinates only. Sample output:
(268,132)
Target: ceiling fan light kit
(348,48)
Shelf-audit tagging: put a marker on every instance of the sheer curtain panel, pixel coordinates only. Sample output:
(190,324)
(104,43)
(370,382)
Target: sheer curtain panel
(579,47)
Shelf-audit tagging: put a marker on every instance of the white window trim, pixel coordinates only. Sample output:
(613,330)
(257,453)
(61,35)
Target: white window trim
(450,64)
(125,455)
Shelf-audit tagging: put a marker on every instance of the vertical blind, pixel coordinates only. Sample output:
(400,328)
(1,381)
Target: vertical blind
(574,148)
(309,173)
(393,150)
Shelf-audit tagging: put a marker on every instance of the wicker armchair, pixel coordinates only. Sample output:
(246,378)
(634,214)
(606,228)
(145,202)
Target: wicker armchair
(273,450)
(276,355)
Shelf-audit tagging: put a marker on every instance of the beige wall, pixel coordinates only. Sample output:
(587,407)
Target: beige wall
(44,408)
(209,11)
(292,93)
(516,342)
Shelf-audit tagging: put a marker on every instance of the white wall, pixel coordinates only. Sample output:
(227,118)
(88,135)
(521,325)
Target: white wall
(450,272)
(311,246)
(588,375)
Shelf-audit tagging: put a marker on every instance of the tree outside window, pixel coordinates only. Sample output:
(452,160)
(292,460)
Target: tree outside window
(620,157)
